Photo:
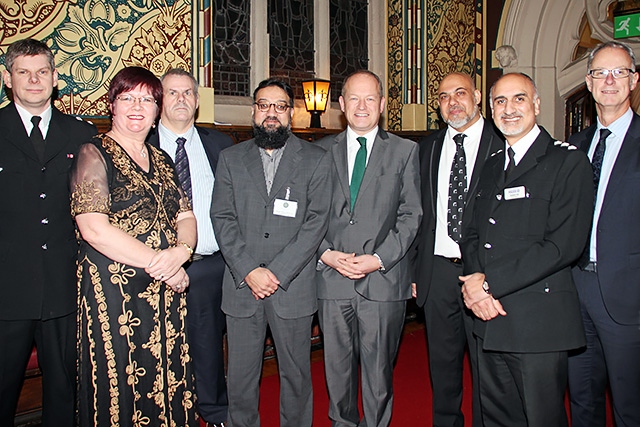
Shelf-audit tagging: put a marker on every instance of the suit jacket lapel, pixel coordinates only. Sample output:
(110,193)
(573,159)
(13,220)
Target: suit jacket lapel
(432,176)
(253,163)
(489,144)
(56,139)
(287,166)
(530,159)
(375,159)
(339,152)
(626,156)
(17,134)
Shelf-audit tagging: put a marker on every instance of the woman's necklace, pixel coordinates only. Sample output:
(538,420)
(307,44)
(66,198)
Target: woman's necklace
(143,152)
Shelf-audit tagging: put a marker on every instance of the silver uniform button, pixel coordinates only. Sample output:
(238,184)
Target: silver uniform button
(44,246)
(492,221)
(44,221)
(499,196)
(487,245)
(43,196)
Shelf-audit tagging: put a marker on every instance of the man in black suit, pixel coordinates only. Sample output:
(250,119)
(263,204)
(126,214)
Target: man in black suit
(607,274)
(38,248)
(529,223)
(449,323)
(206,321)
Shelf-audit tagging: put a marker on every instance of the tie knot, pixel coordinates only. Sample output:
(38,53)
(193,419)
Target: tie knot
(459,139)
(604,133)
(36,120)
(362,140)
(180,141)
(512,155)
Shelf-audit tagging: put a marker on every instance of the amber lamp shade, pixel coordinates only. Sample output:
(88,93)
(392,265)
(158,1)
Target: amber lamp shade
(316,96)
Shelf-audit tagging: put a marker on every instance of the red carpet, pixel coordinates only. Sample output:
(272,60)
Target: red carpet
(412,404)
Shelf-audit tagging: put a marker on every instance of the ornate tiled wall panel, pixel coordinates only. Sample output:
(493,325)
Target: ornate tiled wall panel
(93,39)
(449,39)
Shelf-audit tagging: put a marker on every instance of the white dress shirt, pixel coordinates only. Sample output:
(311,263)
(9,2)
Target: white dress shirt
(353,146)
(202,181)
(444,245)
(28,125)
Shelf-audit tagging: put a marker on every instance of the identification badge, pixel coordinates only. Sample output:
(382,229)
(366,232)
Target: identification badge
(515,193)
(285,207)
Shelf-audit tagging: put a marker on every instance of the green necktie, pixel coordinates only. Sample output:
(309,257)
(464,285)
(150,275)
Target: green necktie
(358,169)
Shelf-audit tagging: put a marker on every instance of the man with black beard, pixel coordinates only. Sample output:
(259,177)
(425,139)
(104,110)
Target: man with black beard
(270,209)
(451,162)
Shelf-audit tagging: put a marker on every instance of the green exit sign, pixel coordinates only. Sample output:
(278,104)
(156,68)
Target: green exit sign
(626,26)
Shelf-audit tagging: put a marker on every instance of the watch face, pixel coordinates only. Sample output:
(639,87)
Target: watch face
(485,287)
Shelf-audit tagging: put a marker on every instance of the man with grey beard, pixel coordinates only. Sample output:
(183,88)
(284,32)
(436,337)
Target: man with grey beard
(451,162)
(270,211)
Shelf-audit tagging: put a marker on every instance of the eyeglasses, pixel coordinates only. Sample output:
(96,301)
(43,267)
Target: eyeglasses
(280,107)
(143,100)
(617,73)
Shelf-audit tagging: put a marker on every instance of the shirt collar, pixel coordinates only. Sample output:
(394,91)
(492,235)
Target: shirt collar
(473,132)
(26,117)
(619,127)
(521,146)
(371,135)
(168,135)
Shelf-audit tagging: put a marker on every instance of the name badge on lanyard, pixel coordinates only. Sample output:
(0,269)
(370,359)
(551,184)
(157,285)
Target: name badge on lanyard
(285,207)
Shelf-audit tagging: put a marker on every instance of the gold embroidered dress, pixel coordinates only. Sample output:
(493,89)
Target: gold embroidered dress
(134,364)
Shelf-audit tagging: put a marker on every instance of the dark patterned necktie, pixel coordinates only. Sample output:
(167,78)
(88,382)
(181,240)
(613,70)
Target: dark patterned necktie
(596,165)
(512,162)
(36,136)
(457,190)
(598,156)
(358,169)
(182,167)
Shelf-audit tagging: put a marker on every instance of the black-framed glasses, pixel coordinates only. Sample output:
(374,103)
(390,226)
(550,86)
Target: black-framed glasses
(280,107)
(617,73)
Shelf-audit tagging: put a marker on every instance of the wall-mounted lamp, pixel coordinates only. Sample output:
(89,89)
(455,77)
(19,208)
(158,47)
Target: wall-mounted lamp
(316,96)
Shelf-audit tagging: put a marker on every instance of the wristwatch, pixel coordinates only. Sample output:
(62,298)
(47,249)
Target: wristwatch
(485,288)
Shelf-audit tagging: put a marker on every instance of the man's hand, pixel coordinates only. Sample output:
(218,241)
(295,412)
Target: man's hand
(338,261)
(472,291)
(360,265)
(262,282)
(414,291)
(488,309)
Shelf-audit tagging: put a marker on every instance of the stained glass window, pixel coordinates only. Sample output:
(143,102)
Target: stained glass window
(291,52)
(231,43)
(348,41)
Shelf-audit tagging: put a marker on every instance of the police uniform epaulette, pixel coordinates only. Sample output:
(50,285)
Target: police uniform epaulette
(497,152)
(565,145)
(82,120)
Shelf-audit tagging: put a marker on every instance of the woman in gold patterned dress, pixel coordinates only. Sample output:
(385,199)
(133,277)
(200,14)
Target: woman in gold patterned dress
(137,230)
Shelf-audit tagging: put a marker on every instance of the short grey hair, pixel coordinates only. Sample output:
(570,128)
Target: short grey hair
(179,72)
(614,45)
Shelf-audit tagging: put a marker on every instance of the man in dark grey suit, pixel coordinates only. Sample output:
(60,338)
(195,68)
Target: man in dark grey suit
(607,276)
(529,223)
(463,146)
(38,249)
(270,211)
(364,278)
(205,319)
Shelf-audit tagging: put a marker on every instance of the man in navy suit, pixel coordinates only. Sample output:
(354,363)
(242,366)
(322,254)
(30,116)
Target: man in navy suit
(607,276)
(438,262)
(206,322)
(38,249)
